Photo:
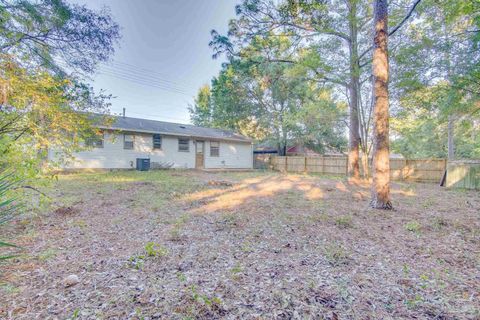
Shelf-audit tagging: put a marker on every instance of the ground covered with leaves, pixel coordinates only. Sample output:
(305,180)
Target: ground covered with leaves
(251,245)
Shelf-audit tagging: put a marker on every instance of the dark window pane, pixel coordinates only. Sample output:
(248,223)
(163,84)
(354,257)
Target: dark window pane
(157,141)
(128,141)
(214,149)
(183,145)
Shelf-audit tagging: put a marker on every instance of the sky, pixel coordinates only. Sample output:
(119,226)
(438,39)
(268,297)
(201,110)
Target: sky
(163,57)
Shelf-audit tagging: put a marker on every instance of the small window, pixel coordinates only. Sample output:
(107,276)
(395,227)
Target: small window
(95,141)
(184,145)
(157,141)
(214,149)
(128,140)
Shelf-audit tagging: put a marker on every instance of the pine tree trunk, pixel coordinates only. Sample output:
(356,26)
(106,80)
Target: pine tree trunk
(381,153)
(354,137)
(451,141)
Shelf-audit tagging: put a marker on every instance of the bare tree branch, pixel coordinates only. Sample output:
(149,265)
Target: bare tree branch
(394,30)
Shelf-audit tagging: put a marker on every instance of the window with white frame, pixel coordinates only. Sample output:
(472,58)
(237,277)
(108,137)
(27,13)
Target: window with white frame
(184,145)
(128,141)
(214,149)
(157,141)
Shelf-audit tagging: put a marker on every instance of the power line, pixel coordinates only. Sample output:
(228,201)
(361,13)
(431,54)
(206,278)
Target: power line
(167,105)
(146,76)
(128,65)
(177,107)
(139,79)
(131,67)
(143,82)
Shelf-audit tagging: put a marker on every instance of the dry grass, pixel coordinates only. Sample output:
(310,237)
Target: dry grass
(174,244)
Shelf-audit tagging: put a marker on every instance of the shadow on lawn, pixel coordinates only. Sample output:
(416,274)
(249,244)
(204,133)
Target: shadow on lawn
(274,186)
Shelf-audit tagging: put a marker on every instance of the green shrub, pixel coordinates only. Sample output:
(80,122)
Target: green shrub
(153,249)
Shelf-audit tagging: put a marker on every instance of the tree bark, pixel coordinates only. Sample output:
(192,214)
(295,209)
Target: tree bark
(381,152)
(451,142)
(354,134)
(366,170)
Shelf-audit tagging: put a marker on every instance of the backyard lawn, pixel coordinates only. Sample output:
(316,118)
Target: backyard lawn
(251,245)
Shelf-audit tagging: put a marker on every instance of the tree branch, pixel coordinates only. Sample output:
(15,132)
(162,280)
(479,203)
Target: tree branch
(395,29)
(407,16)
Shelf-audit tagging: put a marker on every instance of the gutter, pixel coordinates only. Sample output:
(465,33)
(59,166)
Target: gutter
(247,140)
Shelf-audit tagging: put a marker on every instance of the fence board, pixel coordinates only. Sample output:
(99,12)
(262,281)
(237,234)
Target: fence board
(417,170)
(464,174)
(262,161)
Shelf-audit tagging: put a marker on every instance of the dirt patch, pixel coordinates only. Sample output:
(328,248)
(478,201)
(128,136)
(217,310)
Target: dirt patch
(220,183)
(169,245)
(70,210)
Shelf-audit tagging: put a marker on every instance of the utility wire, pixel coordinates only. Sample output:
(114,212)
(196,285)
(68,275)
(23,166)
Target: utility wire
(138,79)
(144,75)
(143,82)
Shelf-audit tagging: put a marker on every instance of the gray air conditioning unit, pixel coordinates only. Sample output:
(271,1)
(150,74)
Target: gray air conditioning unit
(143,164)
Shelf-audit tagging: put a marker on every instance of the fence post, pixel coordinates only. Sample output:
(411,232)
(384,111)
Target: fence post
(346,166)
(306,170)
(405,171)
(286,164)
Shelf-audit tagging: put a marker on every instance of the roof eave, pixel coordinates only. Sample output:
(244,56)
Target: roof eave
(246,140)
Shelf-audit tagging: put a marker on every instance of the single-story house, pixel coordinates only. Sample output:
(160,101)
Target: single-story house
(168,145)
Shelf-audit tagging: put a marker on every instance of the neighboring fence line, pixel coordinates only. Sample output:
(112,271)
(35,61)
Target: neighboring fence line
(464,174)
(419,170)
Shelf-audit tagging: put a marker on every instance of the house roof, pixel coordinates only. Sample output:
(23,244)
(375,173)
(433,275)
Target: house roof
(301,150)
(174,129)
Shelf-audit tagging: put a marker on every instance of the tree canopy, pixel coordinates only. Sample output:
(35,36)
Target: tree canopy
(271,102)
(324,47)
(48,49)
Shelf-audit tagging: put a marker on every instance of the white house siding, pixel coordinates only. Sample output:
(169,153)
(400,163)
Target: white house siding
(114,156)
(233,155)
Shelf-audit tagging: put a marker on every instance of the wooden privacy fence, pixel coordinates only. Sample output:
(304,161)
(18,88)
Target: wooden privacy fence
(262,161)
(328,165)
(419,170)
(464,174)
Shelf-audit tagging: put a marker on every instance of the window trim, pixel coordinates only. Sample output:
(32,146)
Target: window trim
(132,141)
(153,141)
(188,145)
(217,148)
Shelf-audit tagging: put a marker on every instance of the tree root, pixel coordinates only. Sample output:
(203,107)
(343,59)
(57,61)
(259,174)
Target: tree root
(376,204)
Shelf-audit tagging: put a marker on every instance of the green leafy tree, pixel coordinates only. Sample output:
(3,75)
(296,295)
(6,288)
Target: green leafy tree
(435,69)
(271,101)
(48,47)
(55,33)
(202,108)
(338,32)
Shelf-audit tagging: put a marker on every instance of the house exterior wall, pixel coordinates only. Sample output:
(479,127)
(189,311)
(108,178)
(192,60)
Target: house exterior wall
(114,156)
(232,155)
